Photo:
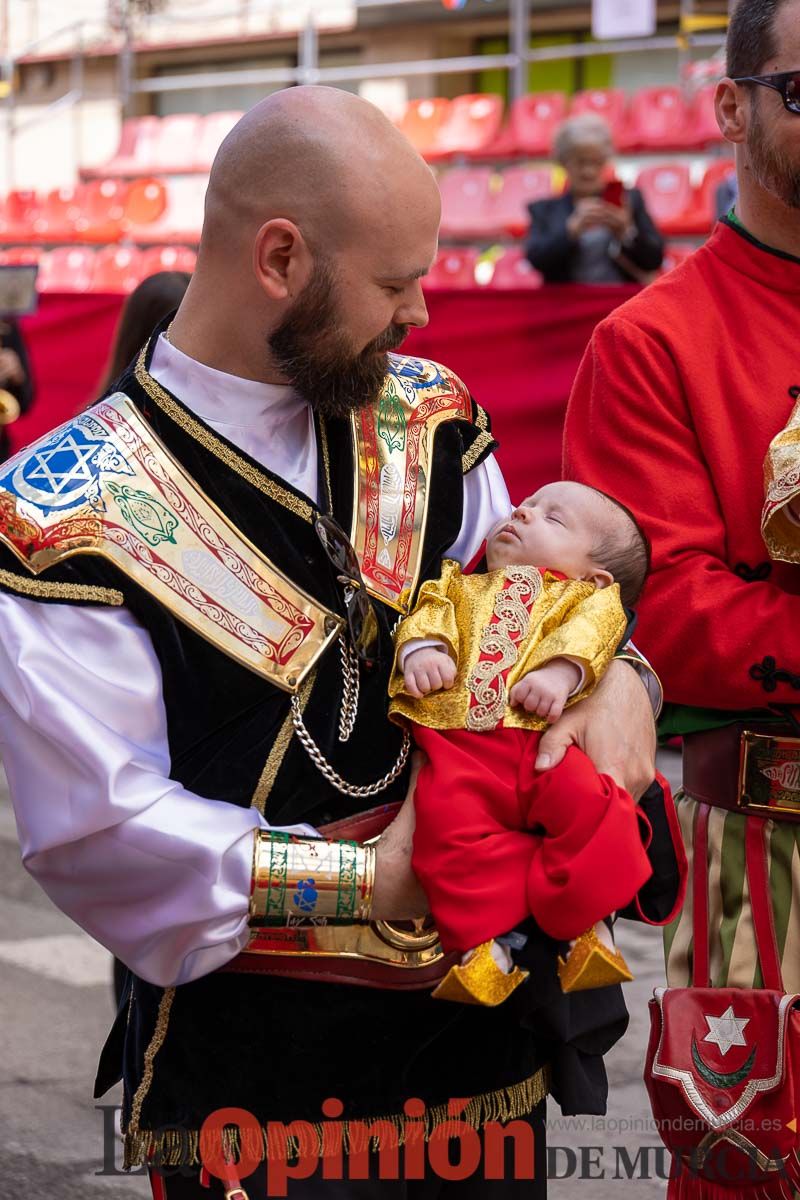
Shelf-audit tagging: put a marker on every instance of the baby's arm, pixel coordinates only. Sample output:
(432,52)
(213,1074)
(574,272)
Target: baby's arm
(428,669)
(546,690)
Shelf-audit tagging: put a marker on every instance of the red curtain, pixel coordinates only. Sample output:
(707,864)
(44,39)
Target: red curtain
(518,352)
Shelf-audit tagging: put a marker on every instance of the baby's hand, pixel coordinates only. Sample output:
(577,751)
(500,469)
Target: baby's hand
(546,691)
(427,670)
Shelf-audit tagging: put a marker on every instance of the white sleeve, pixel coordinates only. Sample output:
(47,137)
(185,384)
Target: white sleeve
(486,501)
(157,874)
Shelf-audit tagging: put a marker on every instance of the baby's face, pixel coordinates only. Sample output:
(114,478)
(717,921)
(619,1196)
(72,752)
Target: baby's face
(556,527)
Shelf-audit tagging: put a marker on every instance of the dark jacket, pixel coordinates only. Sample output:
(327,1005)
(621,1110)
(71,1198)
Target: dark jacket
(552,252)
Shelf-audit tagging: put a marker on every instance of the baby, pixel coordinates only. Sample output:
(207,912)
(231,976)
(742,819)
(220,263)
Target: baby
(483,663)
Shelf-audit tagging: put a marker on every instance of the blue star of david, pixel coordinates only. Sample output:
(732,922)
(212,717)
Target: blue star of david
(64,465)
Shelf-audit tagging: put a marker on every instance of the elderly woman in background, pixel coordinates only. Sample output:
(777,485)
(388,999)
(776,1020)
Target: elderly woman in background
(596,231)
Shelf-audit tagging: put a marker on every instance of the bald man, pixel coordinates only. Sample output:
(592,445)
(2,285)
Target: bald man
(198,582)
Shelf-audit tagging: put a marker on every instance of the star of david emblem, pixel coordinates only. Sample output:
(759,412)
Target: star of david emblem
(63,466)
(726,1031)
(64,472)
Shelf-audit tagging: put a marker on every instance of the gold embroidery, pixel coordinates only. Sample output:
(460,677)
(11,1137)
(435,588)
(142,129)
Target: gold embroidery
(485,681)
(206,438)
(482,442)
(180,1147)
(326,456)
(481,417)
(156,1041)
(279,748)
(569,618)
(60,591)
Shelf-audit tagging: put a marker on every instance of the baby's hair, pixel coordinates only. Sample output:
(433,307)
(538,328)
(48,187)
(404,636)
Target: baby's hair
(625,554)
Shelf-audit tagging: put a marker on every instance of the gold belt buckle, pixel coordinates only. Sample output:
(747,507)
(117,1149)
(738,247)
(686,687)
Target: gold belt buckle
(769,776)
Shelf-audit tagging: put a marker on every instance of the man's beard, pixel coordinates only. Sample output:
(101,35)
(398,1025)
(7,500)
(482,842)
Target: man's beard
(772,167)
(318,360)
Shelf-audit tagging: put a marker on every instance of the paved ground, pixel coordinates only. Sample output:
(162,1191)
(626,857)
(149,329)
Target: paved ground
(56,1008)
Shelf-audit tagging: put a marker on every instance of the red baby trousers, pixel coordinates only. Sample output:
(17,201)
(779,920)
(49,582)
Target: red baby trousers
(497,841)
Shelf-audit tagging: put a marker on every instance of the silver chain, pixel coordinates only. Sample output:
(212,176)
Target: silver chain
(350,689)
(333,777)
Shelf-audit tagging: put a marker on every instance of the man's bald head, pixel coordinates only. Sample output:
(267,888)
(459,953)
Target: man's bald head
(320,221)
(320,157)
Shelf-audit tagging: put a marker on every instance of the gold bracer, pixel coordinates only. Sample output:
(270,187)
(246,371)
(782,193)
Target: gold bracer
(310,878)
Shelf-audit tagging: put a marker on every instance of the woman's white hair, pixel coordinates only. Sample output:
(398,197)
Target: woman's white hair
(587,129)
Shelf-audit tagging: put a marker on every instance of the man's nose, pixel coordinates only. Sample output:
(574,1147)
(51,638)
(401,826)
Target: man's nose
(413,310)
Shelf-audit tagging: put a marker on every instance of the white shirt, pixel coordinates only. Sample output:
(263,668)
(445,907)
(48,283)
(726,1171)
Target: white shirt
(156,873)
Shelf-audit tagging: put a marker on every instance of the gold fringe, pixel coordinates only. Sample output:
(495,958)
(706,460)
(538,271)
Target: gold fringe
(481,443)
(59,591)
(202,434)
(279,748)
(156,1041)
(178,1147)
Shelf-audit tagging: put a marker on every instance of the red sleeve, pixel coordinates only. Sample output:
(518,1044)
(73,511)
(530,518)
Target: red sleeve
(629,432)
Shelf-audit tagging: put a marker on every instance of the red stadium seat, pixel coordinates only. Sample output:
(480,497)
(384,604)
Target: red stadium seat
(701,215)
(167,258)
(182,218)
(215,128)
(676,253)
(454,268)
(668,194)
(67,269)
(145,201)
(422,121)
(657,120)
(116,269)
(702,129)
(58,214)
(521,186)
(609,103)
(102,209)
(18,256)
(512,270)
(472,125)
(176,145)
(504,145)
(136,151)
(467,202)
(533,120)
(20,213)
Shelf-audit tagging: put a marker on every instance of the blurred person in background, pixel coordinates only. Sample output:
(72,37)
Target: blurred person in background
(147,304)
(16,387)
(597,231)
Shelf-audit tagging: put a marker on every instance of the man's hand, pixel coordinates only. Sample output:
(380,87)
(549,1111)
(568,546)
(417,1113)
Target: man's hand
(591,212)
(11,370)
(614,726)
(398,895)
(428,669)
(546,691)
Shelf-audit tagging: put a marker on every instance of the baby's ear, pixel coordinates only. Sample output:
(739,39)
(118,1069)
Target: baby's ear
(599,577)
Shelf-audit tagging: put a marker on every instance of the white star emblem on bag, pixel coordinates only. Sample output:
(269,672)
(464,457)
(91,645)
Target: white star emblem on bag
(726,1031)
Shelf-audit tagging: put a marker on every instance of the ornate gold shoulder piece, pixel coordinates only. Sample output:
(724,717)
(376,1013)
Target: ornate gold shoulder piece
(104,484)
(782,487)
(393,442)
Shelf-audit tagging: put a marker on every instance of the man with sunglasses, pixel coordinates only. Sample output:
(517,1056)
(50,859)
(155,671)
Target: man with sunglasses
(678,398)
(199,578)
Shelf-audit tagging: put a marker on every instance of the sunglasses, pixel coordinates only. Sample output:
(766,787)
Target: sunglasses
(361,619)
(785,82)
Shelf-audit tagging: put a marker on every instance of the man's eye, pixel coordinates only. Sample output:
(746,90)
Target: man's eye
(553,517)
(393,291)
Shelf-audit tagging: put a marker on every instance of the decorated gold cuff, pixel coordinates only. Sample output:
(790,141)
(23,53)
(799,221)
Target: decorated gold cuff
(651,681)
(309,878)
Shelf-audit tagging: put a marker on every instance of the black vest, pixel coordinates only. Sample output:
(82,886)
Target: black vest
(279,1047)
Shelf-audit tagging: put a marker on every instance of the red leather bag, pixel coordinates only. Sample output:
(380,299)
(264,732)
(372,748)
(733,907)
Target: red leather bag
(723,1064)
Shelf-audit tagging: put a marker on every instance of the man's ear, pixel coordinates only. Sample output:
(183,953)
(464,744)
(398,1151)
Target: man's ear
(599,577)
(730,104)
(281,259)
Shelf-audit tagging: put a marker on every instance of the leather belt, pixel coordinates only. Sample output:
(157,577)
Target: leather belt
(754,770)
(401,956)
